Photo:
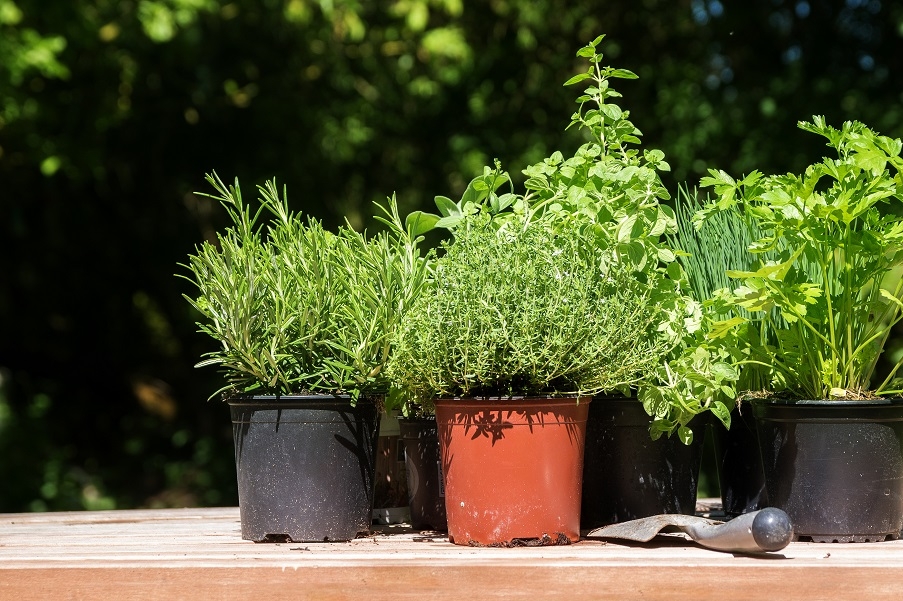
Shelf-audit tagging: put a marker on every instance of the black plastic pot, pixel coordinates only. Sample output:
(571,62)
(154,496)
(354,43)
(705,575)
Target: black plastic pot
(739,463)
(426,492)
(305,467)
(626,474)
(835,467)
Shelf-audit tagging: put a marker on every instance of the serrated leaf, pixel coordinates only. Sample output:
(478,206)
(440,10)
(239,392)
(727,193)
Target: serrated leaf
(889,296)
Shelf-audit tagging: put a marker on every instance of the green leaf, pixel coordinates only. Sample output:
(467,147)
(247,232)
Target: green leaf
(612,111)
(450,222)
(447,207)
(419,223)
(721,411)
(623,74)
(624,229)
(889,296)
(578,78)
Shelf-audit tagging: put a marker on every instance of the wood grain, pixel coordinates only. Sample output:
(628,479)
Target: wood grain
(198,554)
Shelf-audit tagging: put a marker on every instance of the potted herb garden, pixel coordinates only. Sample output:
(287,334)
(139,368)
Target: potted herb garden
(821,303)
(516,330)
(303,319)
(612,188)
(568,288)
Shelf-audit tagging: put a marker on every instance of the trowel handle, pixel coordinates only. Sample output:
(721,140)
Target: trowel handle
(767,529)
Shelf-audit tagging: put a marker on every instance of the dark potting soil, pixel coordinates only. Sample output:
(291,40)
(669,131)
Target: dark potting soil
(543,541)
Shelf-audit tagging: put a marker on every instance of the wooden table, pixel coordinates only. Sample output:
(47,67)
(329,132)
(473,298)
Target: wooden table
(199,554)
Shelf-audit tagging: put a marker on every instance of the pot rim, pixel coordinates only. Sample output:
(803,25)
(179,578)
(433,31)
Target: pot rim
(291,399)
(516,398)
(874,402)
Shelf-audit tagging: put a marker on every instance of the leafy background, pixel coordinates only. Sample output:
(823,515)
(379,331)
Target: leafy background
(112,111)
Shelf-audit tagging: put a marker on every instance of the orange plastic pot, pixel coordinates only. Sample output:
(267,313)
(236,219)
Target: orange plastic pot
(513,469)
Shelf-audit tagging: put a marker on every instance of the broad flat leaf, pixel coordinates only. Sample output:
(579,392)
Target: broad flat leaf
(625,228)
(623,74)
(665,255)
(612,111)
(578,78)
(449,222)
(419,223)
(447,207)
(722,413)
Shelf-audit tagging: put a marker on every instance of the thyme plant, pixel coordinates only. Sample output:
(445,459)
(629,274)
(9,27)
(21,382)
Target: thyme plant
(295,308)
(524,310)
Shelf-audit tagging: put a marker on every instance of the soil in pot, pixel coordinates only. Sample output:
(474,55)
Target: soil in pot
(739,463)
(627,475)
(512,469)
(835,467)
(426,486)
(305,467)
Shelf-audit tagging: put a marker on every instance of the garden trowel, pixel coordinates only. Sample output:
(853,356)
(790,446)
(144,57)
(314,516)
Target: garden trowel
(759,531)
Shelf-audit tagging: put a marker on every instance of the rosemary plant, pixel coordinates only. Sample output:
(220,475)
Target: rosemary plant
(295,308)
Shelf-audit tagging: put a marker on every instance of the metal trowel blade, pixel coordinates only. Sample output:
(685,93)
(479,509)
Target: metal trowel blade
(764,530)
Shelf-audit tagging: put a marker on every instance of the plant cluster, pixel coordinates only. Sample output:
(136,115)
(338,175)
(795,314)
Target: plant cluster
(610,194)
(299,309)
(816,311)
(521,309)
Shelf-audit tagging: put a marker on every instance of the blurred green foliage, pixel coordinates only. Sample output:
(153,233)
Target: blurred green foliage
(111,112)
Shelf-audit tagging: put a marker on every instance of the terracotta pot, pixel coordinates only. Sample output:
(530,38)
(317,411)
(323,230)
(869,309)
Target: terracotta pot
(513,469)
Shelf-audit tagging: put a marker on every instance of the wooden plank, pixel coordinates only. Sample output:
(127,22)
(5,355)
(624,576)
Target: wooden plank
(198,553)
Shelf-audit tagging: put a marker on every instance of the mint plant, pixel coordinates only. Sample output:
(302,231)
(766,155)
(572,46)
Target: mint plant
(295,308)
(827,284)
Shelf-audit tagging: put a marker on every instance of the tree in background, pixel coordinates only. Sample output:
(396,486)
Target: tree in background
(111,112)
